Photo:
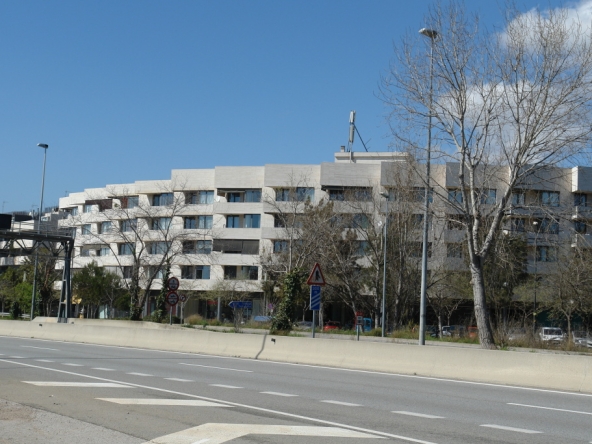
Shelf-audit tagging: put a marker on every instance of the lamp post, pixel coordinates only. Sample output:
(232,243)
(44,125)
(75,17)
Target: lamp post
(44,146)
(432,35)
(536,234)
(387,197)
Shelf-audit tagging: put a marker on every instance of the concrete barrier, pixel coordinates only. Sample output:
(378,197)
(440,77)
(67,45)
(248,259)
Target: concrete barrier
(541,370)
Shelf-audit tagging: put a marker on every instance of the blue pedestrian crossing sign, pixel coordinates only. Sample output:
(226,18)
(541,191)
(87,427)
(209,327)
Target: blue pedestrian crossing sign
(315,297)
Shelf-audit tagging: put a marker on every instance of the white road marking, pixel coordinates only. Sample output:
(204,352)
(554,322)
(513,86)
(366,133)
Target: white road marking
(277,394)
(419,415)
(225,386)
(182,402)
(349,404)
(221,433)
(39,348)
(217,368)
(104,369)
(16,357)
(43,360)
(138,374)
(72,365)
(550,408)
(178,379)
(510,429)
(77,384)
(235,404)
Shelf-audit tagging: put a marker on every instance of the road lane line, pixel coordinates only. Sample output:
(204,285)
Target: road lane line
(225,386)
(16,357)
(235,404)
(43,360)
(419,415)
(104,369)
(510,429)
(287,395)
(178,379)
(72,365)
(217,368)
(164,402)
(348,404)
(138,374)
(39,348)
(550,408)
(77,384)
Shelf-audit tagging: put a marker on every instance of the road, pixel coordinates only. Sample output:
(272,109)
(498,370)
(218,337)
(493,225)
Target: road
(91,393)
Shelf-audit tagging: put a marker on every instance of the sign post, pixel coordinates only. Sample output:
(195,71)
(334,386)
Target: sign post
(316,280)
(172,297)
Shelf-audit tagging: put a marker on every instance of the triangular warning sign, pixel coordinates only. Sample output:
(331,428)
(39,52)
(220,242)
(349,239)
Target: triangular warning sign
(316,276)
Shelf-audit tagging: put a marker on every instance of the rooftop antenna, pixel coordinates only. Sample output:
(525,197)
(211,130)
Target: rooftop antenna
(352,130)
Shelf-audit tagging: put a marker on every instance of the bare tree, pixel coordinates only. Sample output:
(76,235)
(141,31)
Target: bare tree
(504,107)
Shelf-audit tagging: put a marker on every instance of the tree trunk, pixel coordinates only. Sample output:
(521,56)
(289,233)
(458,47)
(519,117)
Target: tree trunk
(481,312)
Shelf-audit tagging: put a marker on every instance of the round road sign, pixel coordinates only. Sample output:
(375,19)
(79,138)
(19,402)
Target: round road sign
(173,284)
(182,297)
(172,298)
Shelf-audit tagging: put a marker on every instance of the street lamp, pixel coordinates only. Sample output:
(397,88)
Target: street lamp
(535,223)
(387,197)
(432,35)
(44,146)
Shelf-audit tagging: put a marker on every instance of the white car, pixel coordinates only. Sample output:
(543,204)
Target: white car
(582,339)
(551,334)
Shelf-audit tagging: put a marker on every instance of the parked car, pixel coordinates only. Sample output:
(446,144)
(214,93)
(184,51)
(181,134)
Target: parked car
(303,325)
(456,331)
(582,338)
(516,334)
(551,334)
(331,325)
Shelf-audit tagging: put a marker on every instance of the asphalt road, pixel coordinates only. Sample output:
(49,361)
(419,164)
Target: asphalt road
(87,393)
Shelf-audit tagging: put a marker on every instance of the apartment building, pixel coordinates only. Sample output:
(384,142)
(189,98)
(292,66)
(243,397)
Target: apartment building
(218,221)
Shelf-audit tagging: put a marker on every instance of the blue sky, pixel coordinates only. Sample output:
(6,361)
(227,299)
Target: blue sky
(128,90)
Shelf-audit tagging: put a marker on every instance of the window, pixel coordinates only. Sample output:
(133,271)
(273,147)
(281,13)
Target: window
(104,251)
(74,211)
(253,196)
(548,226)
(252,221)
(518,225)
(161,223)
(199,197)
(234,197)
(418,194)
(195,272)
(580,227)
(549,198)
(197,247)
(162,200)
(129,225)
(360,221)
(127,272)
(488,196)
(455,222)
(126,249)
(278,221)
(455,196)
(87,208)
(232,221)
(362,194)
(84,252)
(230,272)
(454,250)
(546,254)
(190,223)
(105,227)
(236,246)
(129,202)
(154,272)
(361,247)
(249,273)
(282,195)
(86,229)
(518,198)
(580,200)
(336,195)
(159,247)
(280,246)
(205,222)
